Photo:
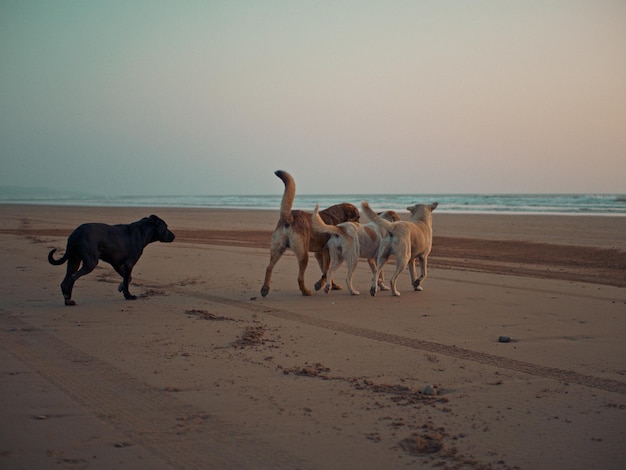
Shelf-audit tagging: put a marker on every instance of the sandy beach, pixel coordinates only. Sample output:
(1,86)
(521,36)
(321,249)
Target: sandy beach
(202,372)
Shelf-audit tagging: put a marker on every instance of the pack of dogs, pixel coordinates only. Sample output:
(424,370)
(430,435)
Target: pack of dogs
(333,235)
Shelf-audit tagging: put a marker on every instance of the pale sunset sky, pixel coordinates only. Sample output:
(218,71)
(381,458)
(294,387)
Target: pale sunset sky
(210,97)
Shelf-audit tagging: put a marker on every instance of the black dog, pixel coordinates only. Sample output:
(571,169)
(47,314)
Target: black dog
(119,245)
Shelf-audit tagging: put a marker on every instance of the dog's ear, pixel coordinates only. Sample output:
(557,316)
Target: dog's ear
(153,218)
(433,206)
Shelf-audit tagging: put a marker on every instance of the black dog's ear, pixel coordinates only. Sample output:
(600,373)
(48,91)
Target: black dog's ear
(154,218)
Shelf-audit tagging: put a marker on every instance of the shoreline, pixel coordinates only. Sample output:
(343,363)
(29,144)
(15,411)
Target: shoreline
(601,231)
(451,212)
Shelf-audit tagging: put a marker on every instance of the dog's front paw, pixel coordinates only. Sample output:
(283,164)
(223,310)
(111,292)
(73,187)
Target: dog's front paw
(318,285)
(418,288)
(382,286)
(130,297)
(264,291)
(69,302)
(373,292)
(337,286)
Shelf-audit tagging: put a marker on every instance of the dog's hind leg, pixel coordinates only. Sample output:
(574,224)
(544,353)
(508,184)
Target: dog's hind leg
(401,264)
(381,274)
(275,256)
(303,260)
(73,273)
(279,246)
(413,273)
(323,259)
(300,247)
(384,252)
(423,267)
(68,281)
(336,259)
(375,272)
(403,258)
(351,255)
(352,264)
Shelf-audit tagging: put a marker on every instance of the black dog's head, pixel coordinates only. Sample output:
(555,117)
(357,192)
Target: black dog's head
(161,232)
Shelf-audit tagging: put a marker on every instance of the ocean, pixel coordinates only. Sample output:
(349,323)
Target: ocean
(573,204)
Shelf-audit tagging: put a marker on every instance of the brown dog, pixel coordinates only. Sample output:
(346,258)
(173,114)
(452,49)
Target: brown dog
(294,231)
(406,240)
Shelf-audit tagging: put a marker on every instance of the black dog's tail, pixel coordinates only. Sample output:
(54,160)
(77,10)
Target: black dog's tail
(56,262)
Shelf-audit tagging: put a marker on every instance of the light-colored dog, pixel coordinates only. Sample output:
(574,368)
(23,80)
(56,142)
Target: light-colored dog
(350,241)
(408,241)
(294,231)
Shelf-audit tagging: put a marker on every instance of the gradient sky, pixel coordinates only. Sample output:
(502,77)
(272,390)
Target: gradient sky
(198,97)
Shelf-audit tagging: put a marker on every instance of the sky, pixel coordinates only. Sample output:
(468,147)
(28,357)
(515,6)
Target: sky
(151,97)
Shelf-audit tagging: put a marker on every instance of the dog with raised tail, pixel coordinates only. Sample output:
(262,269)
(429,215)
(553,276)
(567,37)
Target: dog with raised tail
(350,241)
(294,231)
(408,241)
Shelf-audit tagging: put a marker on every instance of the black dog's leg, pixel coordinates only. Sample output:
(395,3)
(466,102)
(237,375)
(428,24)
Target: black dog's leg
(73,273)
(125,272)
(68,281)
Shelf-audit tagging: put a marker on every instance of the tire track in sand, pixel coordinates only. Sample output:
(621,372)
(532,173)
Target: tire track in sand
(180,434)
(562,375)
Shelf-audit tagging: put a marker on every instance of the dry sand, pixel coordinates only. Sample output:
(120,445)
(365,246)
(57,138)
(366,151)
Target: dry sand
(201,372)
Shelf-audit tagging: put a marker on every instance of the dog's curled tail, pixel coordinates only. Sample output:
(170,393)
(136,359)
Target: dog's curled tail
(374,217)
(288,195)
(56,262)
(318,224)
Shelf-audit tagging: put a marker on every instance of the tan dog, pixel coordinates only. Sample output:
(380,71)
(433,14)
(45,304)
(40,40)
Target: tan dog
(294,231)
(350,241)
(406,240)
